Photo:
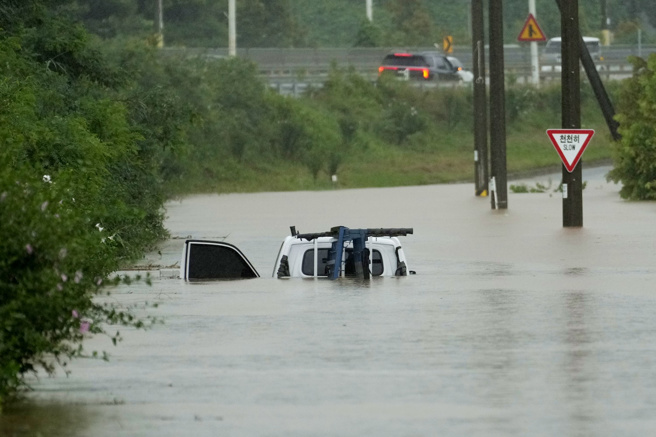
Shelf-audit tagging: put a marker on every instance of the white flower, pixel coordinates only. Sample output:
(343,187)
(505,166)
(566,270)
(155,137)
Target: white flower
(100,228)
(46,178)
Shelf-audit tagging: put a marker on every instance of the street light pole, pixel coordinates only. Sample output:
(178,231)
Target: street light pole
(159,27)
(232,28)
(535,62)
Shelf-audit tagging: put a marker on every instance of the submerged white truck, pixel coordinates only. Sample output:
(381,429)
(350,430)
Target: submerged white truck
(343,252)
(339,252)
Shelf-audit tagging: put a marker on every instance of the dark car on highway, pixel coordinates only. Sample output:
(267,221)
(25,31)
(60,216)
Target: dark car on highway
(421,66)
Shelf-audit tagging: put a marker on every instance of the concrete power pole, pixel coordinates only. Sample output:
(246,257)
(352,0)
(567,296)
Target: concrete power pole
(232,28)
(370,12)
(497,109)
(481,154)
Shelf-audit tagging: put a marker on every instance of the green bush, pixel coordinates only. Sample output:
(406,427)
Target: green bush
(54,261)
(635,155)
(80,191)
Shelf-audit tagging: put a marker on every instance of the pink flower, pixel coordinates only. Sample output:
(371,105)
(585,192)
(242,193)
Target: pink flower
(75,314)
(84,326)
(64,278)
(29,249)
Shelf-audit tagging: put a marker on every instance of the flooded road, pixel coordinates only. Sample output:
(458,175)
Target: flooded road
(513,326)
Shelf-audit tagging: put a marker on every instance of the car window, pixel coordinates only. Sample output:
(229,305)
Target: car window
(322,254)
(308,262)
(593,46)
(552,47)
(216,260)
(455,62)
(405,60)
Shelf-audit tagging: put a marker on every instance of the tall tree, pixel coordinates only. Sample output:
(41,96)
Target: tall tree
(267,23)
(413,24)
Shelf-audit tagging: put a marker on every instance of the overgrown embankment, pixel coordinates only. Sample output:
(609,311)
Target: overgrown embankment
(387,133)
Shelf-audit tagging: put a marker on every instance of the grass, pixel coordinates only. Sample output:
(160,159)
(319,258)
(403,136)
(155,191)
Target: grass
(526,152)
(442,151)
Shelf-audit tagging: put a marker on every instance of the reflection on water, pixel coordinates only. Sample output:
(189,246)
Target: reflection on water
(512,326)
(29,419)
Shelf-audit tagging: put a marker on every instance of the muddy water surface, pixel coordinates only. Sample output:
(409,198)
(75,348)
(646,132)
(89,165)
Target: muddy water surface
(512,326)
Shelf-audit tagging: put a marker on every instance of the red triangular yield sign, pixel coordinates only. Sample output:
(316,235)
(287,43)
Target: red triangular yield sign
(570,144)
(531,31)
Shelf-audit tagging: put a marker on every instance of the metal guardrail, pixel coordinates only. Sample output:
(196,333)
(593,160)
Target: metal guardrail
(313,64)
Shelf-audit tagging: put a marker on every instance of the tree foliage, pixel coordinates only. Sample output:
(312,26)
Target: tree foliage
(339,23)
(635,154)
(80,190)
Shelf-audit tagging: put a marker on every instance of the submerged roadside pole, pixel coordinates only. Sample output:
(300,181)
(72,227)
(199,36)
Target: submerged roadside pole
(481,173)
(571,109)
(498,182)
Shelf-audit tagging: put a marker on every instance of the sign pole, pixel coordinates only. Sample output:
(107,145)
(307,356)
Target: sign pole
(571,109)
(532,33)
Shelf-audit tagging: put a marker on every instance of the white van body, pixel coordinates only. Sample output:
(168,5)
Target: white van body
(307,259)
(553,55)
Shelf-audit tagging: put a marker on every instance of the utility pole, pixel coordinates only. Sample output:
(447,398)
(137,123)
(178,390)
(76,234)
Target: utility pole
(499,185)
(571,108)
(481,173)
(370,11)
(232,28)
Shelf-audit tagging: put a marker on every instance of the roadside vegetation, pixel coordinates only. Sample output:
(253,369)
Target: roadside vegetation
(635,156)
(96,135)
(367,134)
(84,149)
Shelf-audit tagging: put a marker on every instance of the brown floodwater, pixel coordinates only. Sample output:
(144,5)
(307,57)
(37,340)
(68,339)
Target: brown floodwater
(513,326)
